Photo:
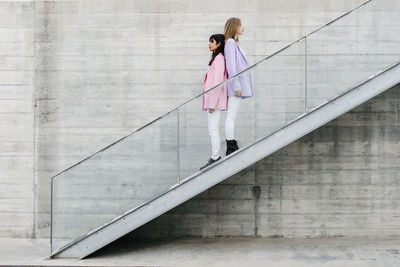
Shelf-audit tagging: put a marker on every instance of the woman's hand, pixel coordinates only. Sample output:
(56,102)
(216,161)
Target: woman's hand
(238,93)
(210,110)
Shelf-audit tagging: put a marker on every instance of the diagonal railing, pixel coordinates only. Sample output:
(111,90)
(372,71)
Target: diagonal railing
(288,84)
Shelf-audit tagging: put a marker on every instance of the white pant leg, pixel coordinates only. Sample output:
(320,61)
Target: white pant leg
(213,130)
(233,107)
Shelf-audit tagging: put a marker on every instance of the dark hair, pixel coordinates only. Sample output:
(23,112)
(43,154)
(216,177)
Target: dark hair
(218,38)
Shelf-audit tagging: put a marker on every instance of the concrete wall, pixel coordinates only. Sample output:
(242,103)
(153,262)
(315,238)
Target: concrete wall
(93,71)
(340,180)
(17,122)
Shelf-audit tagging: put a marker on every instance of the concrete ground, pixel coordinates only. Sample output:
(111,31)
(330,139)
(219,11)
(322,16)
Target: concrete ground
(217,252)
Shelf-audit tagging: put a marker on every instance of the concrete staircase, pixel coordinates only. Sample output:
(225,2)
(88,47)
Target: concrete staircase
(200,181)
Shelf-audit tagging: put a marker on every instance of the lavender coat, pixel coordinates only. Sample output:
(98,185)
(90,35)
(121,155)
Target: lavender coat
(236,61)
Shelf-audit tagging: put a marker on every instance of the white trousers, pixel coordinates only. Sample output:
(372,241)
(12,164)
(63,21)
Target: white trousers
(213,130)
(233,107)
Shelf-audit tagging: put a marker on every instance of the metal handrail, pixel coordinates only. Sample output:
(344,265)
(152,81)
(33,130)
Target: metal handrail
(213,88)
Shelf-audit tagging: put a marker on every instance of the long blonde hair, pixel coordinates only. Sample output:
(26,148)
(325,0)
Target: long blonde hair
(231,27)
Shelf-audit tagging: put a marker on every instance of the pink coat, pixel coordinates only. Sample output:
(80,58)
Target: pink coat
(216,73)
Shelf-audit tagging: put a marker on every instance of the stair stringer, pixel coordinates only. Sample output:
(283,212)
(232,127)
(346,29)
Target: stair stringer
(225,168)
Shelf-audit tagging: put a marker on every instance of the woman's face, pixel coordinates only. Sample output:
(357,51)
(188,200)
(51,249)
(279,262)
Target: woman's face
(213,45)
(240,29)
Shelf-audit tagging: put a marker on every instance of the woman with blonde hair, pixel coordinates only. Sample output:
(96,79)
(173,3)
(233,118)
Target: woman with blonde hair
(240,87)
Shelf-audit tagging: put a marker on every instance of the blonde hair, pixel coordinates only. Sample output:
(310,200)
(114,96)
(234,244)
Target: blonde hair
(231,27)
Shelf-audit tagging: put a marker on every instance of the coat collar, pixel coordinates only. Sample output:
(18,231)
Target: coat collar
(242,52)
(209,67)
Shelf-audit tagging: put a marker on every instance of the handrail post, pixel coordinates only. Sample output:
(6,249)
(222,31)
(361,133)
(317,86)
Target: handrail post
(305,75)
(179,146)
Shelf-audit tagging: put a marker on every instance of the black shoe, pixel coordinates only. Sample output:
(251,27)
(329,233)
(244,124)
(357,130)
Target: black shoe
(210,162)
(231,146)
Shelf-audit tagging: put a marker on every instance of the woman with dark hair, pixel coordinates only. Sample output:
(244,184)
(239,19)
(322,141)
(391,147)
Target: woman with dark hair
(240,87)
(216,99)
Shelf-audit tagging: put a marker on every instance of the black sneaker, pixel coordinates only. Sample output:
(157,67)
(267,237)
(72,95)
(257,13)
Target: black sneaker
(210,162)
(231,146)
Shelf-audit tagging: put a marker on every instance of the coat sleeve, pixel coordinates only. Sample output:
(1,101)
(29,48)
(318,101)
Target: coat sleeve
(231,68)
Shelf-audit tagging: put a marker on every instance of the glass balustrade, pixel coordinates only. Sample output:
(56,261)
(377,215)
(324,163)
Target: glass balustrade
(287,84)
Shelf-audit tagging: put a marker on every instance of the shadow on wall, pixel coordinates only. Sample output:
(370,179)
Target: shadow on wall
(338,176)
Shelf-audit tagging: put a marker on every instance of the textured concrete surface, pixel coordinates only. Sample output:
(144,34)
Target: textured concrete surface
(332,252)
(17,121)
(71,73)
(342,179)
(116,65)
